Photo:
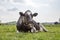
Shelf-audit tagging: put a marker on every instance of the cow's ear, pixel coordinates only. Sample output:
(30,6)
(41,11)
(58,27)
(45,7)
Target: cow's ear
(35,14)
(21,13)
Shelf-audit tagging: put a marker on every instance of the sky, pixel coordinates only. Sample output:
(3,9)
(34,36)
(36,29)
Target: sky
(48,10)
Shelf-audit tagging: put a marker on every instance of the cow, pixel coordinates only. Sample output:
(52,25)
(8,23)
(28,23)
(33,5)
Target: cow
(26,23)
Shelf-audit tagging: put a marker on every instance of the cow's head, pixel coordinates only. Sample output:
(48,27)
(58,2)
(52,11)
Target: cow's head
(27,16)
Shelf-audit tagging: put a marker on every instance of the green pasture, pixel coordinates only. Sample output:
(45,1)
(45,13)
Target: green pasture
(8,32)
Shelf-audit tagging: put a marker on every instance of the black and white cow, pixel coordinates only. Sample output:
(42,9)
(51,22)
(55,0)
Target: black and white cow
(26,23)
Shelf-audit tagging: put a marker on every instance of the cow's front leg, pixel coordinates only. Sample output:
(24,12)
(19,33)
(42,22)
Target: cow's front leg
(33,29)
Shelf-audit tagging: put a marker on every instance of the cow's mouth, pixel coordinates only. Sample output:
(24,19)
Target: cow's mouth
(29,25)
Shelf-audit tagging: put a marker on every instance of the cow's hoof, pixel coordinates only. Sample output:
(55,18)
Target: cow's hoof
(17,31)
(45,30)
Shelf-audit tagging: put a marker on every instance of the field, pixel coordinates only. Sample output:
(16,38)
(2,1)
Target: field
(8,32)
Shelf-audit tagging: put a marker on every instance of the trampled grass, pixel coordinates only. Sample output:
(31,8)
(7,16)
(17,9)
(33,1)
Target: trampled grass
(8,32)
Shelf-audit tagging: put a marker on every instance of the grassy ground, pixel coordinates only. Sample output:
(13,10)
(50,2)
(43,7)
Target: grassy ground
(8,32)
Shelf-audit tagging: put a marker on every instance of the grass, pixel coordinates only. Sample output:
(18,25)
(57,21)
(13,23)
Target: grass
(8,32)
